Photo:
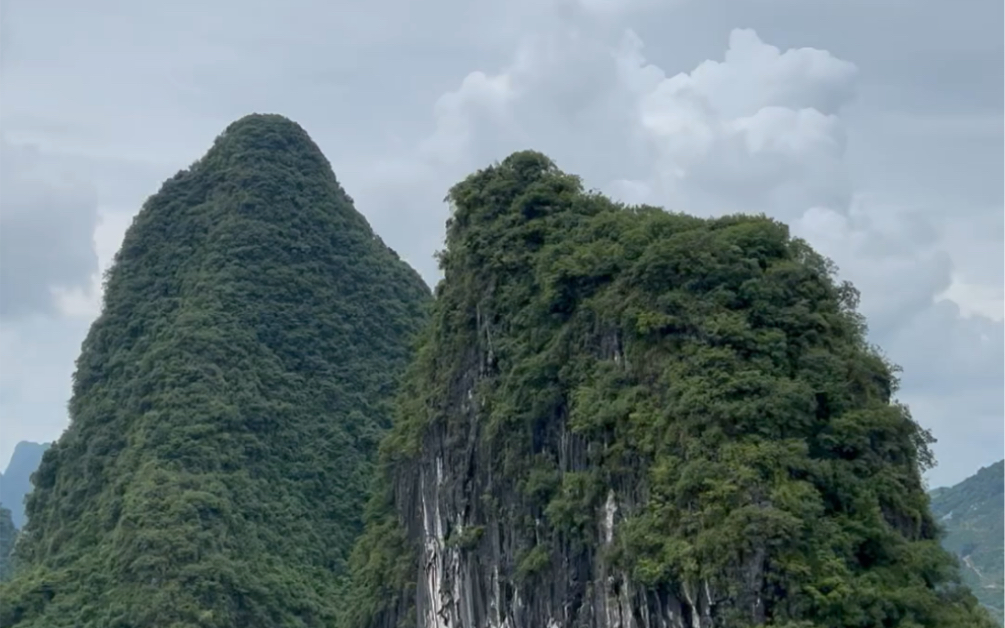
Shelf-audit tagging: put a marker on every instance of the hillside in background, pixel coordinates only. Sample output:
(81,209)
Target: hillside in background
(972,514)
(227,403)
(621,416)
(15,481)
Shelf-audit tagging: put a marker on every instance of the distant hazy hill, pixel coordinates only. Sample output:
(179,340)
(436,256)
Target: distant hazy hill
(15,482)
(971,514)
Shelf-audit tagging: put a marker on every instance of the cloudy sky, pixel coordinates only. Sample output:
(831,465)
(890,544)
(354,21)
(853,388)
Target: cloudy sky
(873,127)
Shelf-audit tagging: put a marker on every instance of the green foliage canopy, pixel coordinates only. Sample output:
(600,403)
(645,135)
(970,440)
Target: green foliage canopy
(8,536)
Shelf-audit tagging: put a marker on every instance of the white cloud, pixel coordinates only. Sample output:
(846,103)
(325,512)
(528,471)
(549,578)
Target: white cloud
(975,299)
(899,271)
(46,218)
(479,98)
(757,131)
(84,302)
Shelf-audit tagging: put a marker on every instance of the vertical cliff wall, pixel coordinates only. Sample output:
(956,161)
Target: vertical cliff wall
(625,418)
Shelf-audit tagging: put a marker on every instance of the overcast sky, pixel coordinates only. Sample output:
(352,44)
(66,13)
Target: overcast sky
(873,127)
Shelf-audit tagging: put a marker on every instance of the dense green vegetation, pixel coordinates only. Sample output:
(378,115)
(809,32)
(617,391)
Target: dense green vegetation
(8,535)
(15,481)
(226,405)
(708,377)
(718,380)
(971,515)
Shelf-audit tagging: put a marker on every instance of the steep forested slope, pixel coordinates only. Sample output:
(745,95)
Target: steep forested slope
(15,482)
(621,417)
(8,535)
(971,515)
(226,404)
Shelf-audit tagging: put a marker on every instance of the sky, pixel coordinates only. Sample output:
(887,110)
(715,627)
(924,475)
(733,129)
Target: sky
(873,127)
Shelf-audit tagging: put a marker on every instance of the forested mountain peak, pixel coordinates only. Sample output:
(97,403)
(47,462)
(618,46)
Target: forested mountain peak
(624,417)
(226,404)
(258,139)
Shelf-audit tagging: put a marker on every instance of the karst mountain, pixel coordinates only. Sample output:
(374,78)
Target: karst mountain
(226,405)
(621,417)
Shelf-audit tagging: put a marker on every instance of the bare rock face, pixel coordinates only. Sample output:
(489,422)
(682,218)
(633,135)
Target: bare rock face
(625,418)
(468,562)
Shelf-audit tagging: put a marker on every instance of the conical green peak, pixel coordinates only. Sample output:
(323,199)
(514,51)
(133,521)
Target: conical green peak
(274,121)
(268,137)
(263,168)
(226,405)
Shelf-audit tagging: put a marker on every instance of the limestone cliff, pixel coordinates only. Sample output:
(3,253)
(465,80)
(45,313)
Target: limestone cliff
(626,418)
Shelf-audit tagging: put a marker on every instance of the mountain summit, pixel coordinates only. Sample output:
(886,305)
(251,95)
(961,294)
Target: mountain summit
(226,404)
(622,417)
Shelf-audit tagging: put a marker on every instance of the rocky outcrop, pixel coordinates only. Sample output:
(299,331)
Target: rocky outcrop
(624,418)
(468,563)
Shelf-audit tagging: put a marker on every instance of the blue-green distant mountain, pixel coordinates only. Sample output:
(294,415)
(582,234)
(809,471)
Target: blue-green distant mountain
(972,513)
(15,482)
